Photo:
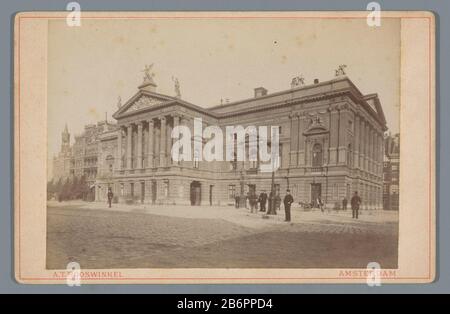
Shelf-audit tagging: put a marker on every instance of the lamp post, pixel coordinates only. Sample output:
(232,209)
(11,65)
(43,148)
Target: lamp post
(272,210)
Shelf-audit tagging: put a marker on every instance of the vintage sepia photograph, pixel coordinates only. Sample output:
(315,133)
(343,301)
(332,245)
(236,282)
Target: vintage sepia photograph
(224,147)
(121,94)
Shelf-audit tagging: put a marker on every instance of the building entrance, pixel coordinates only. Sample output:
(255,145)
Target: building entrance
(196,190)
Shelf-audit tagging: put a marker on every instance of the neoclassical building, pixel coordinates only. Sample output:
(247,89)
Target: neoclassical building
(331,144)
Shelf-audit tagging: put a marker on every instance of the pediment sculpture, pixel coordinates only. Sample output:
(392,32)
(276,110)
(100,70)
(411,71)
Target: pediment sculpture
(144,102)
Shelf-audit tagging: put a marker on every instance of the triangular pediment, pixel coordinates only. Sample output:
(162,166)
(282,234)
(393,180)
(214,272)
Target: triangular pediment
(145,101)
(374,103)
(142,101)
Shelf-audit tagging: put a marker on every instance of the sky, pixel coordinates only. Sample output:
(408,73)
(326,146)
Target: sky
(90,66)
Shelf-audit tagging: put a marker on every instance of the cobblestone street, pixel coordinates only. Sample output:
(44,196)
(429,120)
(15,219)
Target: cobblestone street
(145,236)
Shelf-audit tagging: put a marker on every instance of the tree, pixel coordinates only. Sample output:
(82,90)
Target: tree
(65,190)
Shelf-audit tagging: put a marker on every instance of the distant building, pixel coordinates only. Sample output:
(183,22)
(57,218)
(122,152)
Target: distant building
(80,159)
(391,172)
(61,162)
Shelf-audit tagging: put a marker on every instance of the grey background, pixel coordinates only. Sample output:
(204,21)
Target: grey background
(7,10)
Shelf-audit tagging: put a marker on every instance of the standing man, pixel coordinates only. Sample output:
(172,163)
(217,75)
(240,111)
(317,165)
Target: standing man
(262,201)
(110,196)
(320,203)
(247,200)
(252,201)
(288,200)
(271,203)
(344,203)
(355,202)
(236,200)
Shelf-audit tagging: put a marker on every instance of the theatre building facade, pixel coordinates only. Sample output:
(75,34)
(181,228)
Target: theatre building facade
(331,144)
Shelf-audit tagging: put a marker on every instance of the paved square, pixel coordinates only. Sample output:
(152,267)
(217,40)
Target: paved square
(146,236)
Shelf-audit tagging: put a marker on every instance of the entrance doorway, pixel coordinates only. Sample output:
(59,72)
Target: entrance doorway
(154,191)
(196,190)
(316,192)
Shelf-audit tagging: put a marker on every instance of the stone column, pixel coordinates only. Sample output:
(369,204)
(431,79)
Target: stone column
(370,150)
(301,139)
(343,127)
(366,146)
(119,149)
(356,125)
(380,154)
(129,146)
(361,143)
(334,135)
(139,146)
(176,123)
(150,152)
(375,152)
(186,122)
(168,143)
(162,147)
(369,143)
(308,146)
(293,153)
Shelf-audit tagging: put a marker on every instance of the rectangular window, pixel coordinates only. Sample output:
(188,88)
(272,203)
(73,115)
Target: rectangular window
(231,191)
(335,191)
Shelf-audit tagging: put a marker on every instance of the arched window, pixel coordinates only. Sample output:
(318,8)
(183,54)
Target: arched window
(317,159)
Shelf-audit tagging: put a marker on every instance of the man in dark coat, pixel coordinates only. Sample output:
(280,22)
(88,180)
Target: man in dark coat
(288,200)
(253,202)
(262,201)
(271,204)
(110,196)
(355,202)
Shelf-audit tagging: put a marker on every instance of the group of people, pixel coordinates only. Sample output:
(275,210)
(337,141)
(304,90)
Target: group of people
(265,202)
(355,203)
(252,202)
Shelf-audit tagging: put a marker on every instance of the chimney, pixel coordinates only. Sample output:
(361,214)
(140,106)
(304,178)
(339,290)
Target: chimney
(316,81)
(260,91)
